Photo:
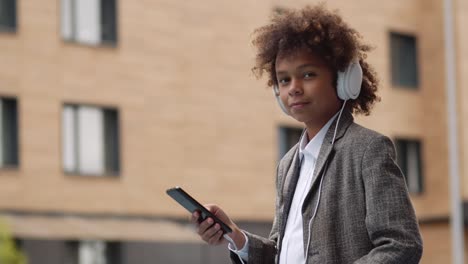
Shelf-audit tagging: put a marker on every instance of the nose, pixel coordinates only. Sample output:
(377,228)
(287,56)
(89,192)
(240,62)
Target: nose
(295,87)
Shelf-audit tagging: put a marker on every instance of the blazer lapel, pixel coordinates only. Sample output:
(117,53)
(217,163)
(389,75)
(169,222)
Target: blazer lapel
(289,183)
(325,154)
(327,148)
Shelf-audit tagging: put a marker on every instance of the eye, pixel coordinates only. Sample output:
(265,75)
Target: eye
(309,74)
(283,80)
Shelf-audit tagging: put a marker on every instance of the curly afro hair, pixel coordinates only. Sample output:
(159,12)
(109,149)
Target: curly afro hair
(323,32)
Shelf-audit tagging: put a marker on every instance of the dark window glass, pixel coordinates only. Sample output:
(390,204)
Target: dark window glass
(9,133)
(410,161)
(114,252)
(7,15)
(278,10)
(288,137)
(404,60)
(111,141)
(71,254)
(109,21)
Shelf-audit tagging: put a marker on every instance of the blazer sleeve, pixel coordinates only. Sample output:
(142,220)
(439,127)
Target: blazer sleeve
(390,218)
(261,250)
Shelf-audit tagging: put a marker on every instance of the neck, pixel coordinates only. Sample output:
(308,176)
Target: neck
(314,127)
(312,131)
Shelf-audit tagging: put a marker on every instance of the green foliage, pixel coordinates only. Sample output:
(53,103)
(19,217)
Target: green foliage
(9,254)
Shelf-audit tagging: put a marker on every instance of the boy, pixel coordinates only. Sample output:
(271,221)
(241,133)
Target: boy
(340,196)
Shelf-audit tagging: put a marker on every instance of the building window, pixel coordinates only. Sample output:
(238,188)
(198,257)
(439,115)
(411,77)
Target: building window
(8,133)
(404,60)
(8,15)
(288,137)
(279,10)
(92,22)
(90,140)
(92,252)
(409,160)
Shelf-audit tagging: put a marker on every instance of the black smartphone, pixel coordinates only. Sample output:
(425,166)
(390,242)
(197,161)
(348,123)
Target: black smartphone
(189,203)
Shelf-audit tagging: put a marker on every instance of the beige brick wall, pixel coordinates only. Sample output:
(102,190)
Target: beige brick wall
(434,133)
(191,112)
(180,77)
(437,243)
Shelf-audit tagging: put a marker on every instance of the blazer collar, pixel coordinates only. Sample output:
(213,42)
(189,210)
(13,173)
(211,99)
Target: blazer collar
(326,149)
(345,121)
(289,183)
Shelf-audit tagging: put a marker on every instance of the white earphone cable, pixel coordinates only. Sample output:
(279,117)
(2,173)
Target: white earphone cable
(337,121)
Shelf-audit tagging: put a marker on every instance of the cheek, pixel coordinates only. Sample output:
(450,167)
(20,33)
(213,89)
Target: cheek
(333,99)
(330,90)
(284,99)
(333,93)
(283,96)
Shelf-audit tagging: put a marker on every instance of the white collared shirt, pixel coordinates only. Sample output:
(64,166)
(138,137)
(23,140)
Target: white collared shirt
(292,250)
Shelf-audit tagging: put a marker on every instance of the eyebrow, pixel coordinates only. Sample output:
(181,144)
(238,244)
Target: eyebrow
(301,67)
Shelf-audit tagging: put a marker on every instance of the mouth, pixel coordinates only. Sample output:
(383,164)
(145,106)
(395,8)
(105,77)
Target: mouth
(298,105)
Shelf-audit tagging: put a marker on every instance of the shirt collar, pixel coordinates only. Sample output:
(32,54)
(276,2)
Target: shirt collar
(311,149)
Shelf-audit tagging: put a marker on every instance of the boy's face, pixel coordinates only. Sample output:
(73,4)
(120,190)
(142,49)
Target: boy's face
(306,87)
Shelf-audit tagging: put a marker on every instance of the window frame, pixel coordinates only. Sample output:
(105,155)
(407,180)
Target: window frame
(14,23)
(405,141)
(113,250)
(107,173)
(14,135)
(396,37)
(70,20)
(283,141)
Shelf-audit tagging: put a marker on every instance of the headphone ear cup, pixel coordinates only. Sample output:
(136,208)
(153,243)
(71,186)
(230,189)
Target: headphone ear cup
(349,82)
(278,99)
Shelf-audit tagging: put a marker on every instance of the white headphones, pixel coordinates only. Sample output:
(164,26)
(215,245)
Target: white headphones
(348,85)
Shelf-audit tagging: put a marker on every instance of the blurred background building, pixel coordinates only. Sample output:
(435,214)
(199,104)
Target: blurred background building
(104,104)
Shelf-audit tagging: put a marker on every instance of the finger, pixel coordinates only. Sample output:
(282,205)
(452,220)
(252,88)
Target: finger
(216,238)
(205,225)
(211,207)
(195,217)
(210,232)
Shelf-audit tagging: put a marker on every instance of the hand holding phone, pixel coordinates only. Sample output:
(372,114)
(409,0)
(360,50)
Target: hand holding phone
(192,205)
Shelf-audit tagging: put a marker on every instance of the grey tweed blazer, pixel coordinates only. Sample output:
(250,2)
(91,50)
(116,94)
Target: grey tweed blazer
(364,215)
